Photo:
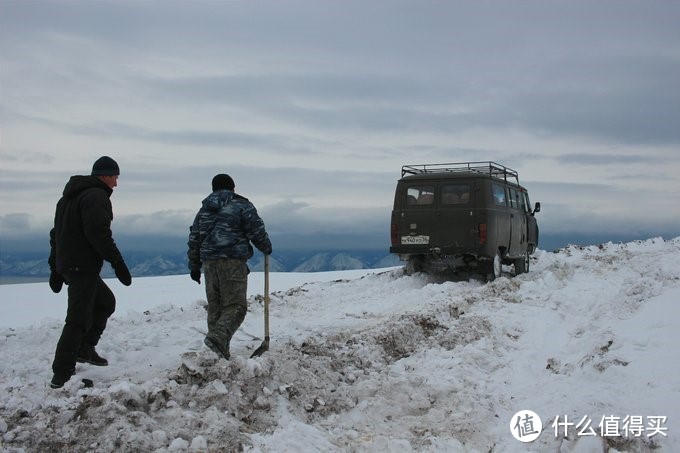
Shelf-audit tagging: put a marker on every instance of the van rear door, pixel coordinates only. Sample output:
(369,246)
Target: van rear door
(414,217)
(456,222)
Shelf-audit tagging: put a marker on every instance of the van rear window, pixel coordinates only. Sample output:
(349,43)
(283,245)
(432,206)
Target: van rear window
(455,194)
(419,195)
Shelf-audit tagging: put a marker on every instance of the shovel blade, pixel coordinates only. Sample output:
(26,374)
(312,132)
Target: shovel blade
(262,348)
(265,344)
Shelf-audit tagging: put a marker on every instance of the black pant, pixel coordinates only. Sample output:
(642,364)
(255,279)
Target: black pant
(90,304)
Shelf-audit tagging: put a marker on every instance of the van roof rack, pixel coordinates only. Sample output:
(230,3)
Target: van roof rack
(487,168)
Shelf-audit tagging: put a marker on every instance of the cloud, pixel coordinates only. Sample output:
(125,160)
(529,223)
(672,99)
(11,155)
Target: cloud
(313,108)
(162,223)
(386,76)
(600,159)
(610,106)
(604,208)
(15,223)
(189,137)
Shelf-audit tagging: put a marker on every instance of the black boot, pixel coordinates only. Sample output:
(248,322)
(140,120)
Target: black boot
(59,379)
(89,355)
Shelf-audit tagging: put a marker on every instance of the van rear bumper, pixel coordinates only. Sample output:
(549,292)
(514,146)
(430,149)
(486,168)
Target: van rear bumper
(438,263)
(477,252)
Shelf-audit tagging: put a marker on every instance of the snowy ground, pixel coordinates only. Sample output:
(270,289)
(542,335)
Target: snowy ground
(367,361)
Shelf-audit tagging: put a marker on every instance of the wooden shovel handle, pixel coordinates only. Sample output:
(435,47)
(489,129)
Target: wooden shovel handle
(266,297)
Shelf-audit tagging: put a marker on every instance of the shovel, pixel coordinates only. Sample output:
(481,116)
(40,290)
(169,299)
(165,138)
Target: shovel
(265,344)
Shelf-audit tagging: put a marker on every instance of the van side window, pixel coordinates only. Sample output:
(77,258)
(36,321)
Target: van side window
(513,198)
(518,199)
(498,195)
(527,204)
(419,195)
(522,202)
(456,194)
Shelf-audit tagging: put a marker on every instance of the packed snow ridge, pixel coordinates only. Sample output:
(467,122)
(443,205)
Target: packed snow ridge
(380,362)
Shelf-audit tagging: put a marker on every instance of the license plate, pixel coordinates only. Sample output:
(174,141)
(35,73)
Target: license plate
(408,240)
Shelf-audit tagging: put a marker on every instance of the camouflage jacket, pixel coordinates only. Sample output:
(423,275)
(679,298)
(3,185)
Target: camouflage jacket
(224,227)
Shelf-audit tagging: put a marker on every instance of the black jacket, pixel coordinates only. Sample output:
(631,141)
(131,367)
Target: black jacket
(81,238)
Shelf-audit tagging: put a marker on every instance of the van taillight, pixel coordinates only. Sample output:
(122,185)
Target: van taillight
(482,233)
(394,234)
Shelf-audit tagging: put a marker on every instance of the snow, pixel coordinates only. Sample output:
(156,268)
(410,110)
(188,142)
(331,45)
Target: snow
(365,360)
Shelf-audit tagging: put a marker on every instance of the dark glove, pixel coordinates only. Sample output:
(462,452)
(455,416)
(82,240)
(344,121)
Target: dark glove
(196,276)
(56,281)
(122,272)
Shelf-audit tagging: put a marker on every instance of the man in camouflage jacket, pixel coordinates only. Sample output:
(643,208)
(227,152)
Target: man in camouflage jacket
(219,241)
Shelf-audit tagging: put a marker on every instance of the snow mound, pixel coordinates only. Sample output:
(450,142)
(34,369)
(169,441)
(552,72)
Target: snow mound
(385,362)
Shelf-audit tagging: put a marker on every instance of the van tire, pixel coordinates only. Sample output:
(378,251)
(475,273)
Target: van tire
(522,264)
(415,264)
(494,267)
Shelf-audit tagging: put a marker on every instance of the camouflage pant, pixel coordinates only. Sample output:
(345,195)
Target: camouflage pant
(226,282)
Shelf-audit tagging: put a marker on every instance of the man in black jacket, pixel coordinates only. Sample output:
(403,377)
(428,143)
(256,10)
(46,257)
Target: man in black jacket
(80,242)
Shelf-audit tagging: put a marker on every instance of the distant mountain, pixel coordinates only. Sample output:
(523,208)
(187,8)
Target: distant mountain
(148,263)
(330,262)
(20,262)
(160,265)
(256,264)
(387,261)
(24,266)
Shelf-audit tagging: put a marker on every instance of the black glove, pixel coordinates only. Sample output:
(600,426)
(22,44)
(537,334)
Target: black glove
(122,272)
(196,276)
(56,281)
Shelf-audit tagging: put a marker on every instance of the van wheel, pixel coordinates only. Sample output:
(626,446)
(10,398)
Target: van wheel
(522,264)
(495,267)
(415,264)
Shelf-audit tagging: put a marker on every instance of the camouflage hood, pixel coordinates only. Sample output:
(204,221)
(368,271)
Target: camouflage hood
(216,200)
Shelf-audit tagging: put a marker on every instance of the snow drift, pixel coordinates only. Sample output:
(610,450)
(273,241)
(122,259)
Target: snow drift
(367,361)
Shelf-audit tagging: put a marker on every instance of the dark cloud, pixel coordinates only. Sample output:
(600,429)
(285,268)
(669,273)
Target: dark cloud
(223,138)
(15,223)
(604,207)
(273,182)
(355,85)
(568,69)
(212,138)
(612,106)
(601,159)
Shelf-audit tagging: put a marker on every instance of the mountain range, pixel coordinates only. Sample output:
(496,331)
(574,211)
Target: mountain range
(30,266)
(22,261)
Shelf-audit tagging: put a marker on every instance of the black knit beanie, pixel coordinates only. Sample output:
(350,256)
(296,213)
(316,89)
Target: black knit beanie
(105,166)
(222,181)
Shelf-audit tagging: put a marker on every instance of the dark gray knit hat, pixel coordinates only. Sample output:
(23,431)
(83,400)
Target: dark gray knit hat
(222,181)
(105,166)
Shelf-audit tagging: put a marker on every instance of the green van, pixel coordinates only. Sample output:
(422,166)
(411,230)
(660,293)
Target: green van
(463,217)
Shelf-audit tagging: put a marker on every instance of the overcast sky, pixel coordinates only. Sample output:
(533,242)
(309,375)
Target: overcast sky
(313,107)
